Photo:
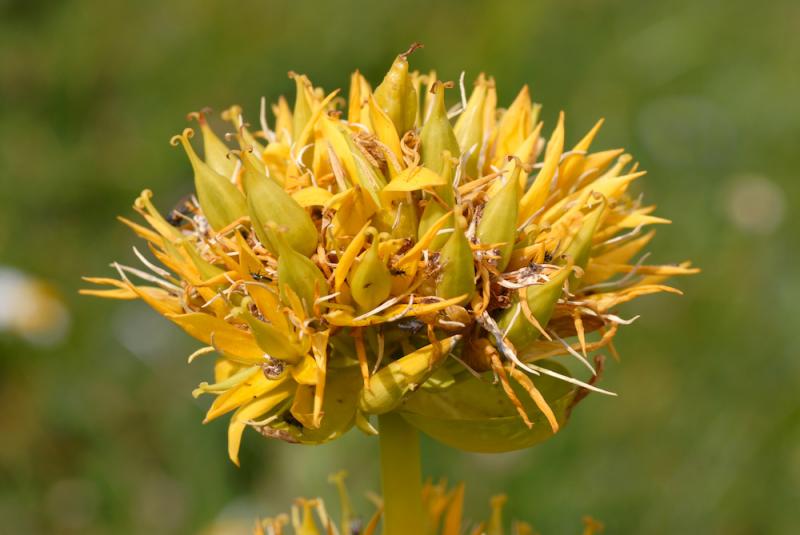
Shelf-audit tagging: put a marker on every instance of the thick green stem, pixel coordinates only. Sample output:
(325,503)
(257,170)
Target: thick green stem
(401,476)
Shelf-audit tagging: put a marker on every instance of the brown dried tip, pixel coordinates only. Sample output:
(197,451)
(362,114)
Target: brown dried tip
(414,46)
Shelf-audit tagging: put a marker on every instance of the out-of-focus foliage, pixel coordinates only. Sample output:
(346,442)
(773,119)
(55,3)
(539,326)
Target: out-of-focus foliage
(98,432)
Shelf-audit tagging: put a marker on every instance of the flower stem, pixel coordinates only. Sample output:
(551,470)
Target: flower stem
(401,476)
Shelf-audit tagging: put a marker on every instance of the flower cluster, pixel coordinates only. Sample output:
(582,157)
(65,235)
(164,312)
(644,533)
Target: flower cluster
(390,253)
(443,510)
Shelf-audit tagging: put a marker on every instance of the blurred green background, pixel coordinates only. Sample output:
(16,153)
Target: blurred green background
(98,431)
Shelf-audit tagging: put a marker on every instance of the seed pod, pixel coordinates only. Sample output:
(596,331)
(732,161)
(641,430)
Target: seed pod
(541,300)
(388,387)
(296,273)
(437,134)
(476,415)
(371,281)
(268,202)
(221,202)
(458,270)
(396,95)
(499,220)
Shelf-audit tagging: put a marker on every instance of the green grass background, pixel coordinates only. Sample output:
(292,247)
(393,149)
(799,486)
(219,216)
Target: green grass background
(99,433)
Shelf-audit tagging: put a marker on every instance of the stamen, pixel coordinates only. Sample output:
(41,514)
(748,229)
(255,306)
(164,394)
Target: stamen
(462,90)
(336,167)
(565,155)
(299,158)
(199,352)
(236,168)
(225,385)
(380,308)
(621,237)
(618,283)
(328,297)
(466,366)
(380,353)
(145,276)
(361,126)
(488,323)
(212,300)
(397,216)
(389,152)
(268,134)
(574,353)
(513,320)
(404,311)
(619,321)
(155,269)
(261,423)
(572,380)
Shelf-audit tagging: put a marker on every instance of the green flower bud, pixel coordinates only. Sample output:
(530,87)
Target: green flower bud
(499,220)
(215,151)
(437,134)
(342,390)
(396,95)
(271,340)
(434,209)
(388,387)
(366,175)
(581,245)
(476,415)
(303,108)
(458,270)
(371,281)
(221,202)
(206,269)
(469,126)
(541,300)
(268,202)
(296,272)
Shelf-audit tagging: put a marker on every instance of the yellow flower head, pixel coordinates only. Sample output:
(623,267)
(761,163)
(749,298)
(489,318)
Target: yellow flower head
(389,253)
(443,509)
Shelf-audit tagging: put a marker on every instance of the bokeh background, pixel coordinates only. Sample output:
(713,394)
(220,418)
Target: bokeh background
(98,431)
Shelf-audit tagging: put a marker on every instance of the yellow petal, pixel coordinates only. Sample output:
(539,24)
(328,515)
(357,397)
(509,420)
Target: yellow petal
(312,196)
(348,257)
(537,194)
(248,412)
(413,179)
(234,343)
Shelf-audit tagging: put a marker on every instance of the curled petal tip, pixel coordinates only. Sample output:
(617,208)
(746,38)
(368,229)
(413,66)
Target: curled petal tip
(199,116)
(143,198)
(237,153)
(184,136)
